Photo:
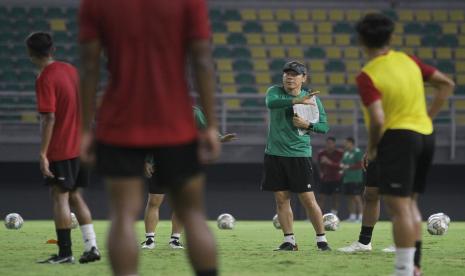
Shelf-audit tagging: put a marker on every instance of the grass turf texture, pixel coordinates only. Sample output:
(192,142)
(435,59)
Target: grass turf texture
(246,250)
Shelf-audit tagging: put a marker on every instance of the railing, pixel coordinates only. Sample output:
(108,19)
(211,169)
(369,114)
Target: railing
(247,115)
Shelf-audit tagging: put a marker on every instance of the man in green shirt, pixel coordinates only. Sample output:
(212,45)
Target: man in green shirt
(157,195)
(287,162)
(352,179)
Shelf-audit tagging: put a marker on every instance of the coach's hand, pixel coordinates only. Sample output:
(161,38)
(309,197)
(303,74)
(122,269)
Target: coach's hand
(228,137)
(87,148)
(149,169)
(209,145)
(45,166)
(300,122)
(307,99)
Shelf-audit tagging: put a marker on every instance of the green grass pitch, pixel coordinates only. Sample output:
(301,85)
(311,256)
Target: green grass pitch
(246,250)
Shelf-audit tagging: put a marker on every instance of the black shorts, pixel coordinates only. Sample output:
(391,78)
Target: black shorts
(154,186)
(293,174)
(69,174)
(330,187)
(175,164)
(404,159)
(372,175)
(352,188)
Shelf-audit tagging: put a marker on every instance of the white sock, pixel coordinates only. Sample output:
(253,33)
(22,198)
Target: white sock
(175,236)
(150,235)
(290,238)
(404,261)
(88,236)
(352,217)
(321,238)
(334,212)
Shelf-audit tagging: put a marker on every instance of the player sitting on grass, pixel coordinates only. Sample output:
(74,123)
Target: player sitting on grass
(60,120)
(287,162)
(157,195)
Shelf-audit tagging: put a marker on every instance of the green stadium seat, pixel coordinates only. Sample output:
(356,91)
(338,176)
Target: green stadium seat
(352,89)
(3,12)
(277,65)
(61,37)
(9,76)
(338,89)
(215,15)
(221,52)
(335,66)
(460,90)
(26,76)
(5,51)
(445,66)
(28,87)
(413,28)
(71,13)
(55,12)
(72,26)
(219,27)
(40,24)
(6,63)
(343,28)
(36,12)
(277,78)
(7,37)
(5,25)
(288,27)
(248,90)
(22,25)
(432,29)
(315,52)
(237,39)
(23,63)
(429,41)
(245,79)
(449,40)
(252,27)
(241,65)
(18,12)
(241,52)
(391,14)
(232,15)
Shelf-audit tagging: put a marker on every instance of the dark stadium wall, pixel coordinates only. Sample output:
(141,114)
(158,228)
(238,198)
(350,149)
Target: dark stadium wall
(231,188)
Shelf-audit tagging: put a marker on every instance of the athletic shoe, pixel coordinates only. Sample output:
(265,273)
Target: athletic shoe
(148,244)
(175,244)
(90,256)
(390,249)
(287,246)
(356,247)
(323,246)
(55,259)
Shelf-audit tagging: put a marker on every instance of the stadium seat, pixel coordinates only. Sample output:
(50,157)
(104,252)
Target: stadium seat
(265,15)
(226,78)
(399,28)
(283,14)
(248,14)
(457,15)
(247,90)
(36,12)
(460,90)
(241,52)
(391,14)
(219,39)
(351,52)
(413,28)
(315,52)
(450,28)
(460,79)
(258,52)
(333,52)
(18,13)
(338,90)
(234,26)
(277,52)
(352,76)
(306,27)
(215,15)
(271,39)
(449,40)
(233,103)
(277,78)
(3,12)
(405,15)
(71,13)
(347,104)
(301,15)
(262,78)
(241,65)
(55,12)
(236,39)
(443,53)
(336,15)
(289,39)
(460,53)
(318,15)
(219,27)
(295,53)
(61,38)
(336,78)
(335,66)
(260,65)
(254,39)
(317,78)
(432,28)
(270,27)
(324,40)
(414,40)
(307,39)
(224,65)
(429,41)
(252,27)
(288,27)
(316,65)
(445,66)
(329,104)
(342,40)
(221,52)
(9,76)
(277,65)
(353,15)
(231,15)
(439,15)
(423,15)
(353,65)
(424,52)
(324,27)
(244,79)
(41,24)
(57,25)
(460,66)
(228,89)
(343,28)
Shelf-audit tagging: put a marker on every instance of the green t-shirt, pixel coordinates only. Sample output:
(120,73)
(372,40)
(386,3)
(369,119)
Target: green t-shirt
(351,158)
(283,138)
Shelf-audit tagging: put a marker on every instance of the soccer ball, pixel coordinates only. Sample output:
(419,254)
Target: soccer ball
(330,221)
(74,221)
(443,216)
(13,221)
(276,223)
(438,224)
(225,221)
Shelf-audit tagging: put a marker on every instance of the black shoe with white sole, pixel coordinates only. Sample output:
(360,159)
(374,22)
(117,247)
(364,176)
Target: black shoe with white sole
(90,256)
(55,259)
(287,246)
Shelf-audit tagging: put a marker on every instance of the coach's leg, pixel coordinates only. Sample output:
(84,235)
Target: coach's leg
(62,218)
(125,205)
(284,211)
(313,211)
(188,204)
(403,225)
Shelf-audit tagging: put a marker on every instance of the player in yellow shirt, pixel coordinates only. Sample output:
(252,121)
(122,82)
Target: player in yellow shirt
(401,138)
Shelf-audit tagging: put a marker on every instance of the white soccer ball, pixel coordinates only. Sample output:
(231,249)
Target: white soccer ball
(276,223)
(437,225)
(442,216)
(13,221)
(331,222)
(226,221)
(74,221)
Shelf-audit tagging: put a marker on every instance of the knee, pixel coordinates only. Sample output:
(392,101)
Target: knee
(371,197)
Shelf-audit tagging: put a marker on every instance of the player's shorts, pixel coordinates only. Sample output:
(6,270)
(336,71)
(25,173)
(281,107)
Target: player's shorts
(294,174)
(372,175)
(352,188)
(69,174)
(330,187)
(175,164)
(404,158)
(154,186)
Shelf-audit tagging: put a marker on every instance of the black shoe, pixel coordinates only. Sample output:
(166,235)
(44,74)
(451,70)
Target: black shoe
(323,246)
(90,256)
(287,246)
(175,244)
(55,259)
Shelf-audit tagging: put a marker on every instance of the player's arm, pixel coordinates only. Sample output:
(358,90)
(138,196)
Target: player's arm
(375,130)
(444,87)
(275,100)
(358,162)
(47,122)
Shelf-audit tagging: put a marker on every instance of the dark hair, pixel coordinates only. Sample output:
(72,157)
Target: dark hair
(331,138)
(40,44)
(375,30)
(351,139)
